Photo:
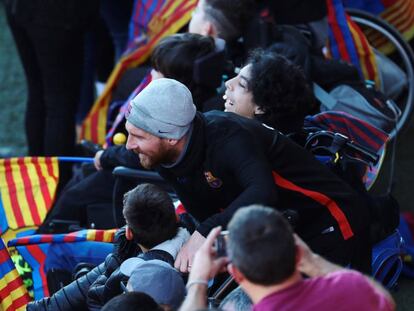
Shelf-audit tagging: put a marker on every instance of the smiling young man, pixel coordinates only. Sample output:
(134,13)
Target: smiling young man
(218,162)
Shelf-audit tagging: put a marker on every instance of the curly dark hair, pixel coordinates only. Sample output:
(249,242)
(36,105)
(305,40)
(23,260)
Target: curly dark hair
(175,55)
(280,90)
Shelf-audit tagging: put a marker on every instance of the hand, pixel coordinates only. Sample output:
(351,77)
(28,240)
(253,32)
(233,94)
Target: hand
(185,257)
(307,256)
(124,248)
(97,160)
(205,264)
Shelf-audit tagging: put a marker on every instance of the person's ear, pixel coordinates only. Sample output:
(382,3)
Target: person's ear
(128,234)
(172,142)
(235,273)
(258,110)
(299,255)
(208,29)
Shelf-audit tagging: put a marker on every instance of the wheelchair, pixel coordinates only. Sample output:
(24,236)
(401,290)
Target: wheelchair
(402,56)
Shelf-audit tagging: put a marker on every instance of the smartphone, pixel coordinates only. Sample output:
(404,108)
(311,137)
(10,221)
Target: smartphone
(221,242)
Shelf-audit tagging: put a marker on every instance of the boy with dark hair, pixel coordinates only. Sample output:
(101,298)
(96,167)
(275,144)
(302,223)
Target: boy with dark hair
(149,214)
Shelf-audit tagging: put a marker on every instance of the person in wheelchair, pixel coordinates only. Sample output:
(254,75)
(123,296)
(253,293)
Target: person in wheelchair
(272,90)
(219,161)
(175,57)
(152,232)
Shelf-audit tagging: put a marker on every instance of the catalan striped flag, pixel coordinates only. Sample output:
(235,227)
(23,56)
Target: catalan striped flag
(78,236)
(13,294)
(172,16)
(27,188)
(399,13)
(348,42)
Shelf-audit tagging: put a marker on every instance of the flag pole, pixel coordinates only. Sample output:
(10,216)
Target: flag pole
(75,159)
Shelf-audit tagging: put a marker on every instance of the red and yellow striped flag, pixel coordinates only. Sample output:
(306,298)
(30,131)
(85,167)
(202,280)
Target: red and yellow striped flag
(172,16)
(400,14)
(13,294)
(27,188)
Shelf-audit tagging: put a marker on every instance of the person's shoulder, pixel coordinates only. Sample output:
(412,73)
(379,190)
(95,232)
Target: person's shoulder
(348,283)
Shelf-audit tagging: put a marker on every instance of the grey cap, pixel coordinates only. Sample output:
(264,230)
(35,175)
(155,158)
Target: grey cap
(160,281)
(164,108)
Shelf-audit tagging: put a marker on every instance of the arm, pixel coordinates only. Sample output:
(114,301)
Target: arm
(205,267)
(115,156)
(314,265)
(252,172)
(245,160)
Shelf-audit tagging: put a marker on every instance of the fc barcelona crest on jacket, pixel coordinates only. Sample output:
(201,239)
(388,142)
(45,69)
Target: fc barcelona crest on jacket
(213,182)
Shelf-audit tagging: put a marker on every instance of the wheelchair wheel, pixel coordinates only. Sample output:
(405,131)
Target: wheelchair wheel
(403,56)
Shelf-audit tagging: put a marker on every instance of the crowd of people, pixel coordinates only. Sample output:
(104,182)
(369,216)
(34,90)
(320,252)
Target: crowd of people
(298,231)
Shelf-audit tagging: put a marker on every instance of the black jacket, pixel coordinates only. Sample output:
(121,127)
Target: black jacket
(232,162)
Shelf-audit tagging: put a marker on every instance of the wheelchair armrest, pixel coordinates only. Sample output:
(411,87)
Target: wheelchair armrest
(142,175)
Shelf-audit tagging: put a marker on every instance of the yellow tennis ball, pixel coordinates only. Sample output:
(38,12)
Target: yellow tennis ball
(119,139)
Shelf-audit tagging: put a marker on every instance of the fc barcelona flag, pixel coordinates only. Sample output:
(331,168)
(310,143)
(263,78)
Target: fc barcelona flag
(34,249)
(172,16)
(348,42)
(27,188)
(13,294)
(78,236)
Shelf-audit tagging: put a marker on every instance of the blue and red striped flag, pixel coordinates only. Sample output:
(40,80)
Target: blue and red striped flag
(171,16)
(348,42)
(13,294)
(142,13)
(34,248)
(78,236)
(356,130)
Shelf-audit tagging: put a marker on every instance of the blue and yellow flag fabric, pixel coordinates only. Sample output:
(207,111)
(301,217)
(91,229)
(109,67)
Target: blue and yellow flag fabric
(13,294)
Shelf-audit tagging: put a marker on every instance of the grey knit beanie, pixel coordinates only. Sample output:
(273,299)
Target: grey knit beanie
(164,108)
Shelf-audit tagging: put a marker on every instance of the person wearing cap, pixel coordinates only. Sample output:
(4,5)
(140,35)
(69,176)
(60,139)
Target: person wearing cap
(218,162)
(156,278)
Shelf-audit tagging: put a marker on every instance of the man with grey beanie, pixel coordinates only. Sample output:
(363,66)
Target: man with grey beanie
(218,162)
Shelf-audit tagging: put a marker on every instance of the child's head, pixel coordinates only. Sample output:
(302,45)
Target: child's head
(149,213)
(271,89)
(175,56)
